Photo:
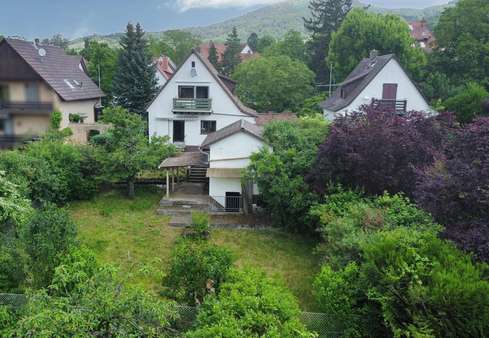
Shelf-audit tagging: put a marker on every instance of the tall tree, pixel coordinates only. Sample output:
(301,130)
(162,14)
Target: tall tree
(326,18)
(231,57)
(463,42)
(135,82)
(57,40)
(292,45)
(253,41)
(264,42)
(213,57)
(101,64)
(275,83)
(361,32)
(182,43)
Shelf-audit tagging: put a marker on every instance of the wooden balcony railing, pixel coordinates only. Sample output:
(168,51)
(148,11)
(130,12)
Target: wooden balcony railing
(395,106)
(30,106)
(192,106)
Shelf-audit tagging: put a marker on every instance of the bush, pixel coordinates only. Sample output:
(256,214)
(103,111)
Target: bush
(408,283)
(250,305)
(12,268)
(347,218)
(377,151)
(280,173)
(197,268)
(468,103)
(56,118)
(456,190)
(46,238)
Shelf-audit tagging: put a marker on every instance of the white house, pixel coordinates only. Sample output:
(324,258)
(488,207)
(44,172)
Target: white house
(380,81)
(229,151)
(195,102)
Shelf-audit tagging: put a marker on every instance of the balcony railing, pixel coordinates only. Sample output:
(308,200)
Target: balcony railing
(192,106)
(12,141)
(30,106)
(395,106)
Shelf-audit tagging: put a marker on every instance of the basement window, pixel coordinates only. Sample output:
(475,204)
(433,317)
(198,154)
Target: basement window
(207,127)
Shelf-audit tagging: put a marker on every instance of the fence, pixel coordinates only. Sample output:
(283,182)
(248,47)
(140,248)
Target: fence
(317,322)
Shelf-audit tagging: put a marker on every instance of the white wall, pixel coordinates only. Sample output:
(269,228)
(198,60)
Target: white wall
(218,186)
(234,151)
(84,108)
(224,109)
(391,73)
(160,78)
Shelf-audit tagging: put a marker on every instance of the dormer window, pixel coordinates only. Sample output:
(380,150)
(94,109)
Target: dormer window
(342,93)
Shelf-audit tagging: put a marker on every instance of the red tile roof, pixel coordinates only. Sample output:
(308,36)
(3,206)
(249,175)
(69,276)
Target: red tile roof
(221,48)
(165,66)
(421,32)
(265,118)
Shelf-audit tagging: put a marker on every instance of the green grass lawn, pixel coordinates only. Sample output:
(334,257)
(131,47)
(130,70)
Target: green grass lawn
(128,234)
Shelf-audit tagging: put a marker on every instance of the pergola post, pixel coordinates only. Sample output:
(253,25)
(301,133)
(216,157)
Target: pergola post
(173,179)
(167,183)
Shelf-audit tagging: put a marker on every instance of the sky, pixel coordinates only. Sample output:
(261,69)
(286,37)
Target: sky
(74,18)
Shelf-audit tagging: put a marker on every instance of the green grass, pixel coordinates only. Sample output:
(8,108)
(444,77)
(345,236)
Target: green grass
(129,235)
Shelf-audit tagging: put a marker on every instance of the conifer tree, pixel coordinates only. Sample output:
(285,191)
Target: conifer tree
(135,83)
(253,41)
(231,56)
(326,18)
(213,57)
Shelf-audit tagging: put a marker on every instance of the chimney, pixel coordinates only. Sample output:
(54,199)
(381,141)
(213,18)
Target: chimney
(374,53)
(36,43)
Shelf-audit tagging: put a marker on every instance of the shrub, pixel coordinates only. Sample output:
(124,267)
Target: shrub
(408,283)
(56,118)
(377,151)
(456,190)
(348,217)
(200,226)
(8,320)
(280,174)
(197,268)
(46,237)
(12,267)
(250,305)
(468,103)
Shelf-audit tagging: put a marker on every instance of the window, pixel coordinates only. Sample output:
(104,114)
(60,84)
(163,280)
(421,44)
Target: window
(3,93)
(32,92)
(202,92)
(2,126)
(185,92)
(191,92)
(193,64)
(342,93)
(207,127)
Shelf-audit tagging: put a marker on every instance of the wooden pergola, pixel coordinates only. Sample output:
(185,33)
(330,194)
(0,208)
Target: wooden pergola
(172,165)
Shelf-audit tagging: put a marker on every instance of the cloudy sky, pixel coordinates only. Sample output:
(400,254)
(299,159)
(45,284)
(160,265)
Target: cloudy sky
(42,18)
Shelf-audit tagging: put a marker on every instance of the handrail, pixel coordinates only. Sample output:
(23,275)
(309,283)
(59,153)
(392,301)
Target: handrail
(197,105)
(29,105)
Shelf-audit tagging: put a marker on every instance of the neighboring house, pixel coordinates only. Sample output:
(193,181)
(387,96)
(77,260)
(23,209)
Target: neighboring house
(195,102)
(422,35)
(229,151)
(165,68)
(245,54)
(380,81)
(36,80)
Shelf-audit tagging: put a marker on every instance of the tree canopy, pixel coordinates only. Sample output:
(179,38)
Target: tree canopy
(292,45)
(361,32)
(231,58)
(275,83)
(135,82)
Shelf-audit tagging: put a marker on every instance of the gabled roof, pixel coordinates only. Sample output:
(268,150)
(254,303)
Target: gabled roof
(233,128)
(357,81)
(165,66)
(219,79)
(65,74)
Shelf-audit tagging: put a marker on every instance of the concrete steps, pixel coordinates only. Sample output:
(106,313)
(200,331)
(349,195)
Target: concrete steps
(197,175)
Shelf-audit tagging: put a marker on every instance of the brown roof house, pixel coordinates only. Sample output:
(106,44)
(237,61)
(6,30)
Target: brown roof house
(422,34)
(36,80)
(246,52)
(165,68)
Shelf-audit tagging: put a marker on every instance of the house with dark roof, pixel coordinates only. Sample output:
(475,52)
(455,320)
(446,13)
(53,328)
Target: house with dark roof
(36,80)
(195,102)
(379,81)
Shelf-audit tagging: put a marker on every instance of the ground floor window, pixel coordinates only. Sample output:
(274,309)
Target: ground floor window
(207,127)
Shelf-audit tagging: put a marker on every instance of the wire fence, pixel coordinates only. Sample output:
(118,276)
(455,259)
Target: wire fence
(317,322)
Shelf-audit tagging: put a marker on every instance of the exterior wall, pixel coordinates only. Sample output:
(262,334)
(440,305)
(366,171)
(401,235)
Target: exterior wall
(160,78)
(84,108)
(234,151)
(391,73)
(218,186)
(30,125)
(17,91)
(224,110)
(81,131)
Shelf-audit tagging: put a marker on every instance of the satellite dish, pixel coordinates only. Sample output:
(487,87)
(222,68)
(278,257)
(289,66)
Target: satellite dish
(42,52)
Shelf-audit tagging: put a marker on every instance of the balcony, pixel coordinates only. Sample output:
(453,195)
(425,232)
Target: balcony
(395,106)
(20,107)
(192,106)
(12,141)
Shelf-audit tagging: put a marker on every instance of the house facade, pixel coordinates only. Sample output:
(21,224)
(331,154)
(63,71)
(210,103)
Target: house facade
(229,152)
(379,81)
(195,102)
(36,80)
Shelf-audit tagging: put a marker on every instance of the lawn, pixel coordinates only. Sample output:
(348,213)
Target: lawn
(128,234)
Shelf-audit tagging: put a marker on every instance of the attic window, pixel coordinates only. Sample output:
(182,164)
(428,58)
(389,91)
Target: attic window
(193,64)
(342,93)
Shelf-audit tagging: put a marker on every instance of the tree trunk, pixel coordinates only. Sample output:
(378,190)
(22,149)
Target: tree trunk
(130,186)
